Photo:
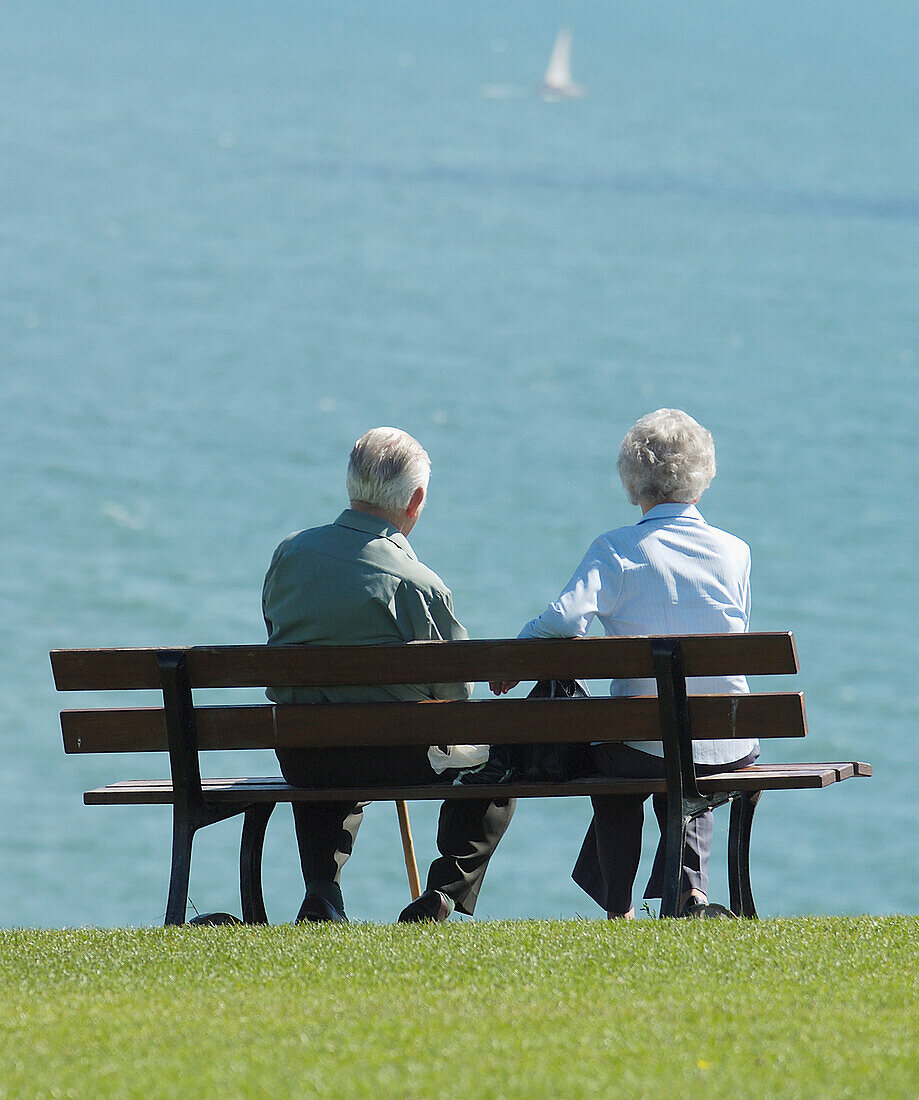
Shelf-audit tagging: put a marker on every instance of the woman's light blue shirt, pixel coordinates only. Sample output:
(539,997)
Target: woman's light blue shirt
(670,573)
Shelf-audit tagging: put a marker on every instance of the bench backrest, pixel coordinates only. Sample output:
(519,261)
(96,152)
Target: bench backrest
(424,662)
(177,672)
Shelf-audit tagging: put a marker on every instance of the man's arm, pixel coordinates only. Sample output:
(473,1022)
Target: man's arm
(427,616)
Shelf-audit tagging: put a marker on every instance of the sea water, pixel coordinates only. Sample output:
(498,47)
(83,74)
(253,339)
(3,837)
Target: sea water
(235,236)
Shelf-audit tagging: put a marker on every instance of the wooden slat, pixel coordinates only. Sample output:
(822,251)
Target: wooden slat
(104,669)
(487,721)
(424,662)
(248,790)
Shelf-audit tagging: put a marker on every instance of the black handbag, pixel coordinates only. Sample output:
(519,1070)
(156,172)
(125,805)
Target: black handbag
(555,761)
(546,762)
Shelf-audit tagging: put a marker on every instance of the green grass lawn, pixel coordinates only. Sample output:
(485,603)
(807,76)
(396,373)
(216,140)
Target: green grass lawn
(777,1008)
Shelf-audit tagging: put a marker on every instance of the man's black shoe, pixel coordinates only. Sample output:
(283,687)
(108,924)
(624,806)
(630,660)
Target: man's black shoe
(433,905)
(316,910)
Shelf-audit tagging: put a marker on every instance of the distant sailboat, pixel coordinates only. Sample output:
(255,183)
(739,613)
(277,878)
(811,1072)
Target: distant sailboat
(557,83)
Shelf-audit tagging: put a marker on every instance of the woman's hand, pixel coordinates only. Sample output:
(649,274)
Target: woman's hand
(502,687)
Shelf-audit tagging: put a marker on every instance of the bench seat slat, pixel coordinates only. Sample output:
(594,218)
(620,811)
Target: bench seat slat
(424,662)
(274,789)
(505,721)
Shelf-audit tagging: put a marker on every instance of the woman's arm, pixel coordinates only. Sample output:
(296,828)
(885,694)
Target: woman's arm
(571,614)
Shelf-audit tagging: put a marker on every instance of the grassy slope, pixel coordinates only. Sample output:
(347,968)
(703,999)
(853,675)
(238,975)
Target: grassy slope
(790,1008)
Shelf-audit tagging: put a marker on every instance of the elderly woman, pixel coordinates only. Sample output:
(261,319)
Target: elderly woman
(671,573)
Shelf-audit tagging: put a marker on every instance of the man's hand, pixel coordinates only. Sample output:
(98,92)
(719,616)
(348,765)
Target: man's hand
(502,687)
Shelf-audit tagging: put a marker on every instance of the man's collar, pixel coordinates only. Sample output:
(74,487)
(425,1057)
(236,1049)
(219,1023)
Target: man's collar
(672,511)
(374,525)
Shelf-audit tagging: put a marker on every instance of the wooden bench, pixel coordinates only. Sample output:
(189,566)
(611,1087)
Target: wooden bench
(183,729)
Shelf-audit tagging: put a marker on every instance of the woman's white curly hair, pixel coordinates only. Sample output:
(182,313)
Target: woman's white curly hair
(666,457)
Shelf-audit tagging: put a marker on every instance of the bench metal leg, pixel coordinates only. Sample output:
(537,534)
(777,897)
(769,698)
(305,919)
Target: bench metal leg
(250,863)
(183,833)
(677,820)
(675,839)
(742,809)
(185,823)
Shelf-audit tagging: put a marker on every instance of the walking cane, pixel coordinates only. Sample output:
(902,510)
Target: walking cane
(408,849)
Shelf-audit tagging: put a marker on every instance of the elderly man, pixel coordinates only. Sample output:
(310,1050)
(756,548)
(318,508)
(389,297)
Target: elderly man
(355,581)
(671,573)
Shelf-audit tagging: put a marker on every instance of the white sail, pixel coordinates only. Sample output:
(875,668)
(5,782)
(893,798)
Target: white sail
(557,82)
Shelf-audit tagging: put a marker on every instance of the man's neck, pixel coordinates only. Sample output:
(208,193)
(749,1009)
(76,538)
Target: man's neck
(370,510)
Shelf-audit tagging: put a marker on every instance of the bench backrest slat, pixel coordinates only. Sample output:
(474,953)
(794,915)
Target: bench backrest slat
(779,714)
(424,662)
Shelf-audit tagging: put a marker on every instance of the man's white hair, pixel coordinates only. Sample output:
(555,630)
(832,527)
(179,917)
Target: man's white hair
(385,469)
(666,456)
